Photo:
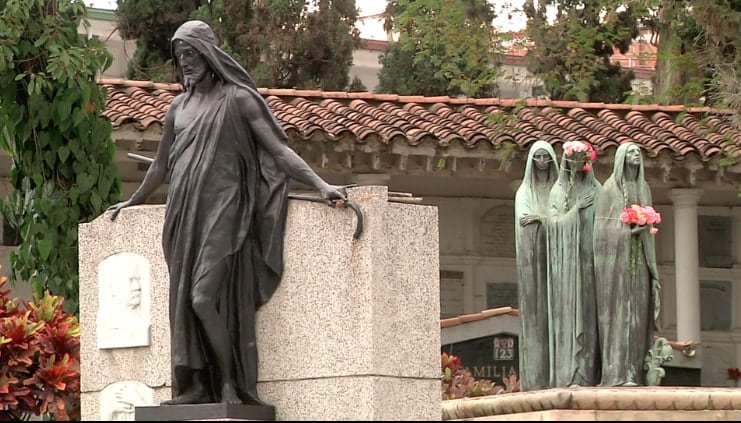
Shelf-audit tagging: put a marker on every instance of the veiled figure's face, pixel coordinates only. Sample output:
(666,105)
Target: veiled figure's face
(193,65)
(542,159)
(575,161)
(633,156)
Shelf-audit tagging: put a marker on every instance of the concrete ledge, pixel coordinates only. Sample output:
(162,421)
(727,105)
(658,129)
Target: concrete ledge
(594,403)
(611,415)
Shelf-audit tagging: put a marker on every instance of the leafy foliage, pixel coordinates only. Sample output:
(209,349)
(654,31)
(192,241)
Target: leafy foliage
(152,23)
(458,382)
(445,47)
(698,51)
(61,149)
(719,50)
(288,43)
(571,53)
(39,358)
(700,58)
(282,43)
(678,79)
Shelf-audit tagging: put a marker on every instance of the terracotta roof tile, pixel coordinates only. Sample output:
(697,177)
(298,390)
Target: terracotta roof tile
(389,118)
(474,317)
(454,321)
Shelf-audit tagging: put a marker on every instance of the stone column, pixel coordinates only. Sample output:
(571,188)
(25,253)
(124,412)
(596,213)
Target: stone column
(686,261)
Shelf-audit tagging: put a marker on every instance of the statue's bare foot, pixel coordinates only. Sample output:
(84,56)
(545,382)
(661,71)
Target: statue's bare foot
(229,395)
(194,396)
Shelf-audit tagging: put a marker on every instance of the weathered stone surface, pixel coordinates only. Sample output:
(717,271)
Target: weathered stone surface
(639,403)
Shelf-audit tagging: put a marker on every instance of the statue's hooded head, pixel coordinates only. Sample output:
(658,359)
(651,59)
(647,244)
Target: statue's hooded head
(200,36)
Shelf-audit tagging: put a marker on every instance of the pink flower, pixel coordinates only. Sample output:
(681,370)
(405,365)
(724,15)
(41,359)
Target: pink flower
(628,216)
(641,215)
(652,216)
(571,148)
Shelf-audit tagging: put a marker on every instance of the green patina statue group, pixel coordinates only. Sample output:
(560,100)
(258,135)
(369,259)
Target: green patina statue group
(588,280)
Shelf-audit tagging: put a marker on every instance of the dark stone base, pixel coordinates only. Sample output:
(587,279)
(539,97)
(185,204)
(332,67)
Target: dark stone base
(217,411)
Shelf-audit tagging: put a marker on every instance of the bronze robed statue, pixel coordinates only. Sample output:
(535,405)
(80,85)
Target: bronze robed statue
(531,242)
(627,274)
(571,279)
(229,166)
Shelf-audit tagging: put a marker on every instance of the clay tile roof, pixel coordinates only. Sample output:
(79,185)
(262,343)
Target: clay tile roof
(677,131)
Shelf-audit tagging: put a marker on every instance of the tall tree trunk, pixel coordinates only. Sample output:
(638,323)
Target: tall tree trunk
(669,71)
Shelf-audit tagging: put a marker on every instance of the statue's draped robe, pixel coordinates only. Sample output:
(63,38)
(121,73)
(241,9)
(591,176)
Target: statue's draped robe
(625,265)
(532,270)
(227,202)
(573,339)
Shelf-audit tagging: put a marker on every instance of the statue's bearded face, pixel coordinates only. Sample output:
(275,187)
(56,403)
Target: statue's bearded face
(193,65)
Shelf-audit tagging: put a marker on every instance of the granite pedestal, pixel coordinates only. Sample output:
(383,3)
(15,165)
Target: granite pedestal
(352,333)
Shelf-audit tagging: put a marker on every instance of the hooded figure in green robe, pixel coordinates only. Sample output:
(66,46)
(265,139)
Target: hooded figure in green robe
(531,219)
(627,275)
(574,355)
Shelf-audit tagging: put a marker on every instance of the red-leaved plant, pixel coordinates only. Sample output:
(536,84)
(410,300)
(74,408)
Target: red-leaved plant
(458,382)
(39,358)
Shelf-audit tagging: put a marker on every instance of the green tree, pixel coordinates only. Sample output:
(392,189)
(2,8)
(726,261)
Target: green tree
(151,23)
(719,51)
(288,43)
(571,52)
(61,148)
(679,78)
(445,47)
(698,58)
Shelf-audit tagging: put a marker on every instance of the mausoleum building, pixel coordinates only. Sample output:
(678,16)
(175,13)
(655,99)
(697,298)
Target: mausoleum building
(465,156)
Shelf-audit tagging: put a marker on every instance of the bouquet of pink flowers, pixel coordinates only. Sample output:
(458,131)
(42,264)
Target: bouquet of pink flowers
(641,215)
(572,148)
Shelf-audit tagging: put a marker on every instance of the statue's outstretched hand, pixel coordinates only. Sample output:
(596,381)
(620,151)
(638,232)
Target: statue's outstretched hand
(334,194)
(116,208)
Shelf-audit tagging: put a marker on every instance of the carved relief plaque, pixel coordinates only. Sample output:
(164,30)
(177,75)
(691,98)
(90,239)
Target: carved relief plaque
(124,301)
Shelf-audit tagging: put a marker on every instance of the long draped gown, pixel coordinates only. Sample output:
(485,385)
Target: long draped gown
(532,269)
(574,355)
(627,277)
(227,203)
